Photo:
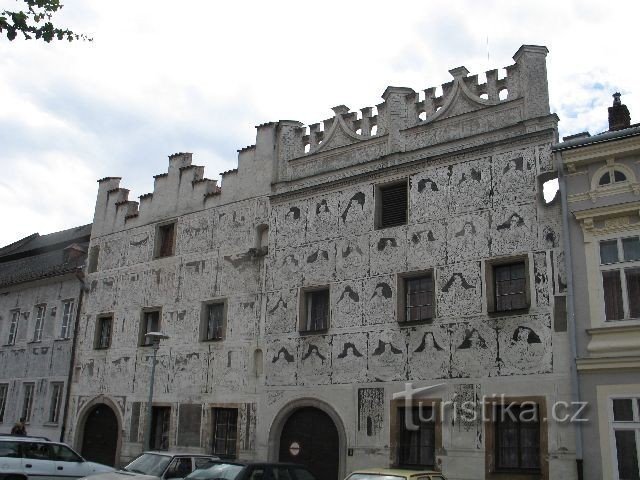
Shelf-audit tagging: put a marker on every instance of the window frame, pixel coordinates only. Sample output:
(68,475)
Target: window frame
(401,299)
(66,319)
(4,396)
(93,257)
(204,320)
(490,284)
(144,326)
(100,319)
(395,429)
(160,239)
(27,402)
(493,473)
(378,193)
(14,324)
(620,425)
(38,327)
(234,442)
(303,309)
(621,266)
(55,402)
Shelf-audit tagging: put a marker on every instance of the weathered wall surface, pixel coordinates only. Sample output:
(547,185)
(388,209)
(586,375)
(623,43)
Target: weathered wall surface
(471,164)
(43,362)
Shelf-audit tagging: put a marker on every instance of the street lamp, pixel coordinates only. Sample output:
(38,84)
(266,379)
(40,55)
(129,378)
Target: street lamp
(155,338)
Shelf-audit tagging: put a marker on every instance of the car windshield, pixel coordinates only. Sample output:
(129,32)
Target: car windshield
(227,471)
(374,476)
(149,464)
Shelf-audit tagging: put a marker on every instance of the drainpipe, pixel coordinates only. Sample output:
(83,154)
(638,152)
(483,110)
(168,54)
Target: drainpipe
(571,318)
(74,343)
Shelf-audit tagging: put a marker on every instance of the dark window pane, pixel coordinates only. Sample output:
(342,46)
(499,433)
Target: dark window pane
(517,442)
(151,324)
(419,298)
(633,291)
(510,286)
(225,431)
(393,205)
(166,233)
(317,310)
(631,248)
(605,179)
(623,410)
(612,295)
(618,176)
(215,321)
(609,252)
(416,447)
(627,453)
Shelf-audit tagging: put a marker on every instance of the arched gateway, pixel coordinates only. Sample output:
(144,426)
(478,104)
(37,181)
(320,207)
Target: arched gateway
(309,435)
(100,435)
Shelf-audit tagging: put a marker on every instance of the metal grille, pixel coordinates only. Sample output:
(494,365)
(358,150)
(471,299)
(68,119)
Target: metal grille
(393,205)
(225,432)
(510,284)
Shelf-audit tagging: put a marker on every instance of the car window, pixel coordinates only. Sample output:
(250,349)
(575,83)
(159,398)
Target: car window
(227,471)
(37,451)
(179,468)
(149,464)
(281,473)
(436,477)
(257,474)
(62,453)
(203,462)
(303,474)
(9,449)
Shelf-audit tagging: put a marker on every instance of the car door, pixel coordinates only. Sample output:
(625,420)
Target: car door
(38,461)
(179,467)
(10,457)
(68,463)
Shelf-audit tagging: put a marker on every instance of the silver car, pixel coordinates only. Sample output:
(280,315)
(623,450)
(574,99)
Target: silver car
(22,458)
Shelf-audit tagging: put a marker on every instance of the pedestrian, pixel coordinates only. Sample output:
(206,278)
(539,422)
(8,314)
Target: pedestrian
(19,428)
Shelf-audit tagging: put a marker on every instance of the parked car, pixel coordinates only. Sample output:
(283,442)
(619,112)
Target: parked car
(159,465)
(23,457)
(395,474)
(249,470)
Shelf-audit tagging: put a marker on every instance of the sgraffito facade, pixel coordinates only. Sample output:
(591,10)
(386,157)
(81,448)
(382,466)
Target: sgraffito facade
(338,263)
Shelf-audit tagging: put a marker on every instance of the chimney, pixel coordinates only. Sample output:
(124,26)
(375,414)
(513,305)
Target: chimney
(619,116)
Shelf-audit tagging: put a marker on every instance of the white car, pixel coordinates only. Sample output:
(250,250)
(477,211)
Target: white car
(159,466)
(22,458)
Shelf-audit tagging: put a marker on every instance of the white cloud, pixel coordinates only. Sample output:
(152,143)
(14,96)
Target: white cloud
(164,76)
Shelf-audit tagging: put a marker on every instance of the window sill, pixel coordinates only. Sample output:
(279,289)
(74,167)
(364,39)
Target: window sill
(305,333)
(34,341)
(207,340)
(50,424)
(101,348)
(509,313)
(62,339)
(413,323)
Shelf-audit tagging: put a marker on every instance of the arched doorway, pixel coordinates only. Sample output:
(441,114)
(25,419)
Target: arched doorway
(310,437)
(100,435)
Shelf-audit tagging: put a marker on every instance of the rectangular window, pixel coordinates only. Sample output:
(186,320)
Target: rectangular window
(37,329)
(165,240)
(55,402)
(315,310)
(67,312)
(510,286)
(27,401)
(417,438)
(517,438)
(160,422)
(104,326)
(391,205)
(213,322)
(620,270)
(626,433)
(419,299)
(150,323)
(94,253)
(225,432)
(4,392)
(13,327)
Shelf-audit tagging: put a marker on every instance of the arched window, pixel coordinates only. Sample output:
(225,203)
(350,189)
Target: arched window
(612,174)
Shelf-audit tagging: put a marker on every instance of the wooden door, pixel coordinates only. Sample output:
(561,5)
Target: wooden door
(100,439)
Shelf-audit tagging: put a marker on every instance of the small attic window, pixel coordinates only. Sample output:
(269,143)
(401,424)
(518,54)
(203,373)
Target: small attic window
(612,176)
(165,240)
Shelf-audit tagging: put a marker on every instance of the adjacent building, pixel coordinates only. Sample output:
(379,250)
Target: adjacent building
(403,243)
(40,293)
(601,180)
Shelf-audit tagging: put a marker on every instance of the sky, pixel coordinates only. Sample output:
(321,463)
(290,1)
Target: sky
(163,76)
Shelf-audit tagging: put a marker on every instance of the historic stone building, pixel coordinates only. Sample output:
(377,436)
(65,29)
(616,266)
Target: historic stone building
(602,204)
(409,242)
(40,290)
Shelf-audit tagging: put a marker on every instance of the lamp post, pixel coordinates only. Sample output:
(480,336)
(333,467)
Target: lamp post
(155,338)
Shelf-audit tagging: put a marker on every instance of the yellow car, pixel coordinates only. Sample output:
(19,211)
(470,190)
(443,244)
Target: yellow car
(394,474)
